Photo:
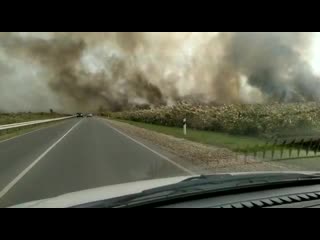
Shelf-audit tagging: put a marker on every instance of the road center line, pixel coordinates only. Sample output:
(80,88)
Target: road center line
(24,172)
(155,152)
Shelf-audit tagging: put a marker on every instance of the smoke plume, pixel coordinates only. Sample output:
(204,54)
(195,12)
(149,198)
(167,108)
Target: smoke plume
(86,71)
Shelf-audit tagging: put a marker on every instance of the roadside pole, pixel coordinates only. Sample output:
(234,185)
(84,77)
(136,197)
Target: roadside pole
(185,126)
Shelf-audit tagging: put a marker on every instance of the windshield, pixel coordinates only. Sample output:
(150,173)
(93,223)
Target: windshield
(81,111)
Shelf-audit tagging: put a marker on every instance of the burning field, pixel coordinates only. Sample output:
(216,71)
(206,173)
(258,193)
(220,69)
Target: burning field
(282,131)
(263,120)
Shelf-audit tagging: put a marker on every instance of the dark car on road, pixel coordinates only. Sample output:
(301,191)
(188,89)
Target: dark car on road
(79,115)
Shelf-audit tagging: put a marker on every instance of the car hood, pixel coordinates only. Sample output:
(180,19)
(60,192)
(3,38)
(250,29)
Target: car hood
(98,194)
(119,190)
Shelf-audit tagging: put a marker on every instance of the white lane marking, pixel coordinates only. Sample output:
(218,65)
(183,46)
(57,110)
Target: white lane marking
(155,152)
(42,128)
(24,172)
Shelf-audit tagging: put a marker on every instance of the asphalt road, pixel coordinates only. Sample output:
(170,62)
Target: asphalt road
(75,155)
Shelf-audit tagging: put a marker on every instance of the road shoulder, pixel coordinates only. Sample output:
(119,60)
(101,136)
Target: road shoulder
(199,158)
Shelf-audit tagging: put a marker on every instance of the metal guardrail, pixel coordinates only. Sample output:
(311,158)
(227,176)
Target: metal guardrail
(299,147)
(30,123)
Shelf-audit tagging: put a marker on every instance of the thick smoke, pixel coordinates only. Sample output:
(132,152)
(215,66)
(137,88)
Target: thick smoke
(273,63)
(116,71)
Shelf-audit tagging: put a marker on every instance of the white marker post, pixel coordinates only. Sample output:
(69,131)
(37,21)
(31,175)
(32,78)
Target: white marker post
(185,126)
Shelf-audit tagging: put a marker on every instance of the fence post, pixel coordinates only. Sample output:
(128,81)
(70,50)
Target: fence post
(309,146)
(282,148)
(273,149)
(291,146)
(300,145)
(255,151)
(318,147)
(265,149)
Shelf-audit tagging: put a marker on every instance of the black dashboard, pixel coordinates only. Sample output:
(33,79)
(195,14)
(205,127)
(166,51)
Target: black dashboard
(290,197)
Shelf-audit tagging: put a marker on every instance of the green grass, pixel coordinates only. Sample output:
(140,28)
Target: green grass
(232,142)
